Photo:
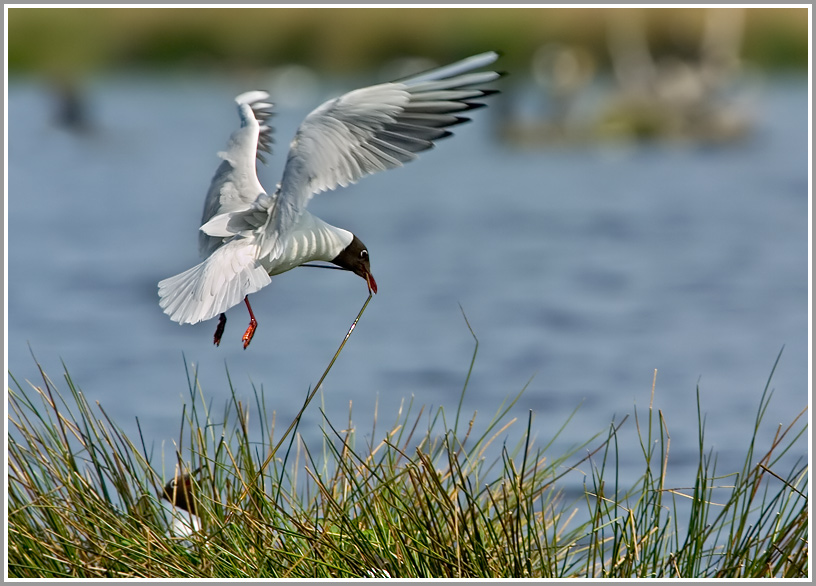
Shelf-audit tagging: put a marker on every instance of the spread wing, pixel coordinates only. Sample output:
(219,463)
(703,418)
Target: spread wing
(235,186)
(230,269)
(362,132)
(374,129)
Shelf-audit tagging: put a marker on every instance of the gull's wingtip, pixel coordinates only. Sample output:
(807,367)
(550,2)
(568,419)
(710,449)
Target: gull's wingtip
(251,97)
(460,67)
(483,59)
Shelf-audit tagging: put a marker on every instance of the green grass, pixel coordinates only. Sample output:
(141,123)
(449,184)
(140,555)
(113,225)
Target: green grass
(432,495)
(343,40)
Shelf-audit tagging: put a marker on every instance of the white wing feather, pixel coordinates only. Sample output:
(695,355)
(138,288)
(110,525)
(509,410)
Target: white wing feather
(231,269)
(364,131)
(235,186)
(369,130)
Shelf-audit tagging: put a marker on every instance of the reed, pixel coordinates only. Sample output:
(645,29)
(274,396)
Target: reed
(430,496)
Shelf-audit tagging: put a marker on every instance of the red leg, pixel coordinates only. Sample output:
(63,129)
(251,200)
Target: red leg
(219,330)
(252,325)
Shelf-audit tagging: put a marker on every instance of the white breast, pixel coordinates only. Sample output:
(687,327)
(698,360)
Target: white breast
(309,240)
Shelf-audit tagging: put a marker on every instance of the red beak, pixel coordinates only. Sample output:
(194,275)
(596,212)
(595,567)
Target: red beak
(372,284)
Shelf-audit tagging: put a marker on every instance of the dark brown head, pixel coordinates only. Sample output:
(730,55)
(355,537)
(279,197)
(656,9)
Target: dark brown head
(355,258)
(179,492)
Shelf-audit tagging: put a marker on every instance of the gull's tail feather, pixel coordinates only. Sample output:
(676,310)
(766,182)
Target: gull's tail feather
(223,280)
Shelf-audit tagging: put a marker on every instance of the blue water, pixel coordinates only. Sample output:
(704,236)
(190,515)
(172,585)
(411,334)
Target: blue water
(581,270)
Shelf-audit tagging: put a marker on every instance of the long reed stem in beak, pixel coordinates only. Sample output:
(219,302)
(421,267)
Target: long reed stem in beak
(308,399)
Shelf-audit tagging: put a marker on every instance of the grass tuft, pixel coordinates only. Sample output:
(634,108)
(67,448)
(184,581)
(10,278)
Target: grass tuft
(426,499)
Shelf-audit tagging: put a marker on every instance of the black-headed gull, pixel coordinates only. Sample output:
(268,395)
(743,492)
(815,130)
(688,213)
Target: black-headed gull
(179,493)
(247,235)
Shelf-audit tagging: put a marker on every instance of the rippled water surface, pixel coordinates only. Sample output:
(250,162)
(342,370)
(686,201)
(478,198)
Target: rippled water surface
(581,270)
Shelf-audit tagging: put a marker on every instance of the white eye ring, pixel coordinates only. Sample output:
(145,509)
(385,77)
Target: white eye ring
(364,253)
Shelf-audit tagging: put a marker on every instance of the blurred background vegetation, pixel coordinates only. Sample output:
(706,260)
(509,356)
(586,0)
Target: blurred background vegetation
(628,74)
(79,41)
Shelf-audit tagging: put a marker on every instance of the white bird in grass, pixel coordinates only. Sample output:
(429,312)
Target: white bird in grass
(179,493)
(248,235)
